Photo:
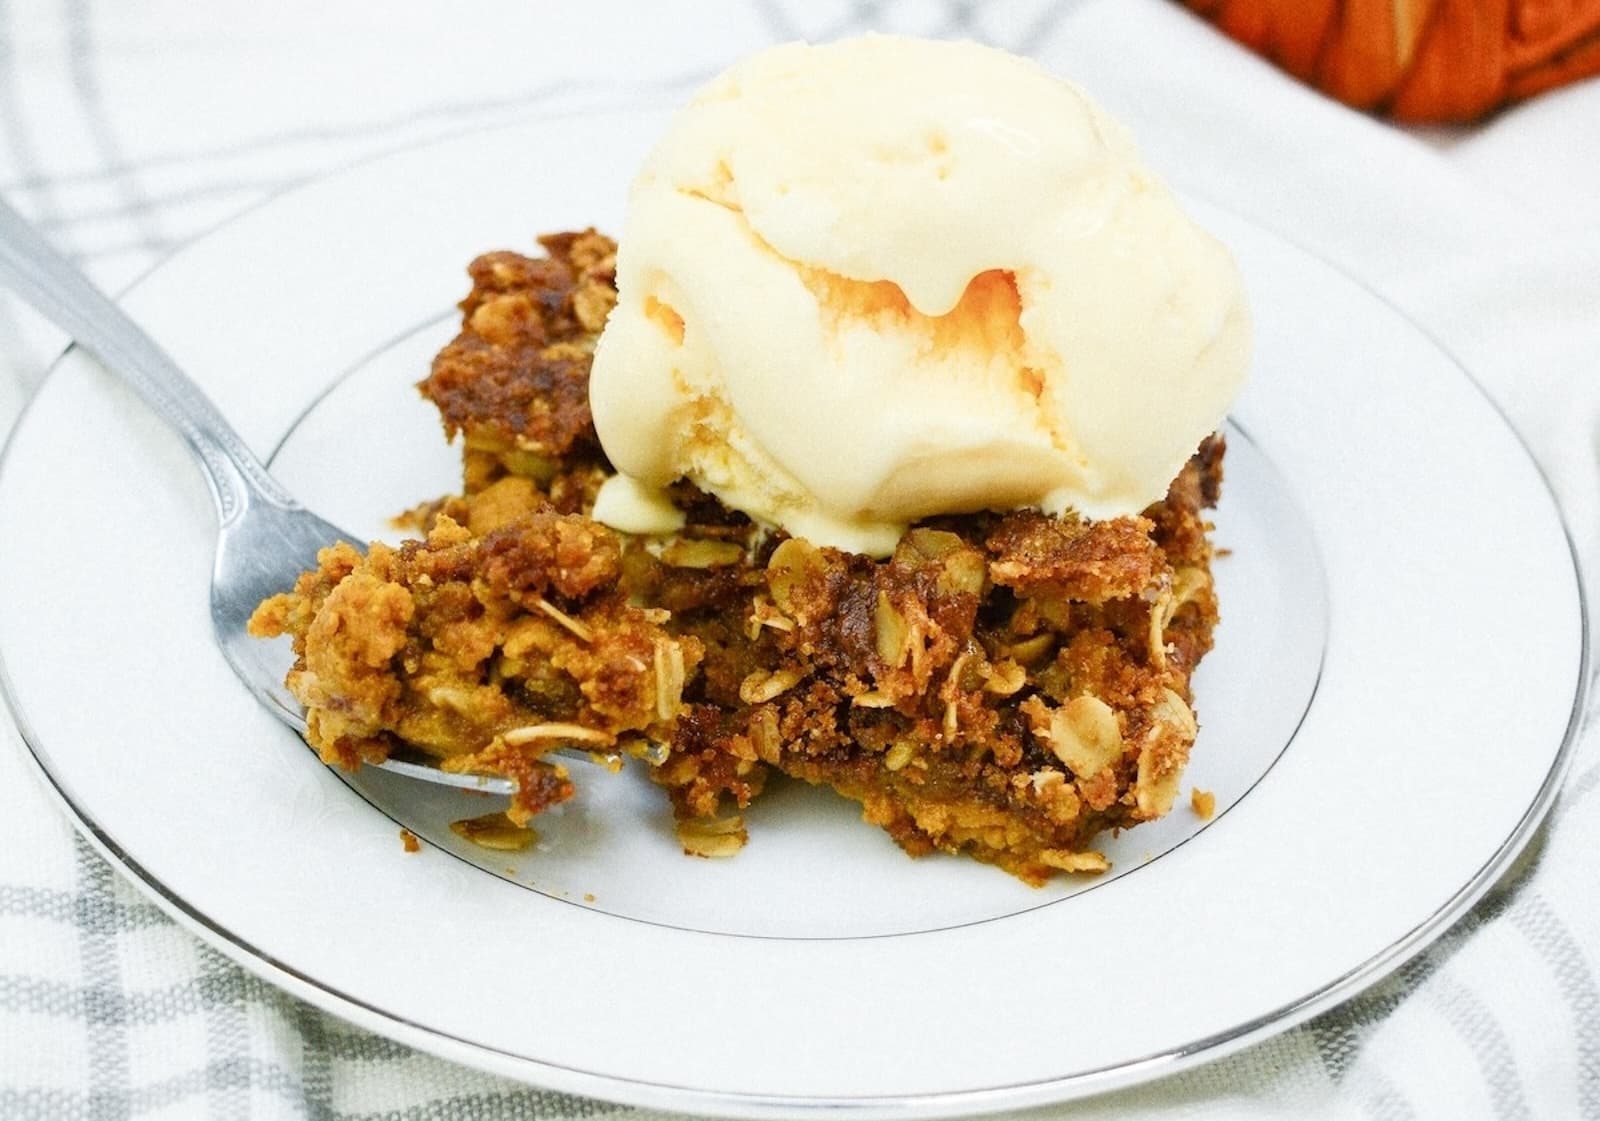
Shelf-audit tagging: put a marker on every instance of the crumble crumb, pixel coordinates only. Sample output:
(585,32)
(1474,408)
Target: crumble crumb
(1203,802)
(494,831)
(1006,686)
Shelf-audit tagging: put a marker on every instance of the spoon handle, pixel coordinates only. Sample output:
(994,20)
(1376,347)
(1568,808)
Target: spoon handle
(64,295)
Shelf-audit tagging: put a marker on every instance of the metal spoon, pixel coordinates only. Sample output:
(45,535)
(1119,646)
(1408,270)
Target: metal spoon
(265,538)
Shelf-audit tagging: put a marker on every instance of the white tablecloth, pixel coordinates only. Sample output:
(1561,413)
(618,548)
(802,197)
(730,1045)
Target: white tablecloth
(127,129)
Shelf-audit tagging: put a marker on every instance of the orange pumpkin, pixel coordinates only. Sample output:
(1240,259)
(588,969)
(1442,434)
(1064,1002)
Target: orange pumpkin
(1420,60)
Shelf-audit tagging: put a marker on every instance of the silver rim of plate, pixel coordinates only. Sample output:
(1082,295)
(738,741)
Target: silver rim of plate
(698,1096)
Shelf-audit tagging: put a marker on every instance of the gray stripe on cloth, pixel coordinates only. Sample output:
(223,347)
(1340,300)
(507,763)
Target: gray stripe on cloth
(869,15)
(316,1076)
(227,1036)
(163,1005)
(361,1047)
(33,1103)
(1379,1097)
(105,1013)
(86,86)
(515,1105)
(1044,26)
(958,20)
(54,1104)
(40,996)
(247,1073)
(391,135)
(45,997)
(1341,1032)
(452,118)
(779,26)
(1575,977)
(783,29)
(865,14)
(1580,785)
(14,127)
(152,202)
(1577,790)
(62,906)
(1474,1022)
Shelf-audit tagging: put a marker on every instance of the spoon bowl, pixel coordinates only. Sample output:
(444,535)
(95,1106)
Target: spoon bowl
(265,538)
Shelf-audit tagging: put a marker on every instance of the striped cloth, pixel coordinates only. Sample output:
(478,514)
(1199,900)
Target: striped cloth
(127,129)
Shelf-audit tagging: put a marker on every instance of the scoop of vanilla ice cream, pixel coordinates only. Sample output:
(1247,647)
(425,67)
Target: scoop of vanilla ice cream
(868,282)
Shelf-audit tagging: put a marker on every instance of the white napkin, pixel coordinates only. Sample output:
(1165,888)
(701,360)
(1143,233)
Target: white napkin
(128,129)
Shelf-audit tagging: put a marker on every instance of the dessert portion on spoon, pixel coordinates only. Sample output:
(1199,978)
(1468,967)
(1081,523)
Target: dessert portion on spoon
(878,457)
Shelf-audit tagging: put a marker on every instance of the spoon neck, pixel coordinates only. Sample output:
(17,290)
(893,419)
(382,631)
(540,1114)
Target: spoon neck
(63,294)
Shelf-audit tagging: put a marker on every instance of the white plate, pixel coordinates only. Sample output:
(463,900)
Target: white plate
(1384,721)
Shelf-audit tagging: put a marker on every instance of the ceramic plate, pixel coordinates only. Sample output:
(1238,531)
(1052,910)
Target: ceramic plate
(1384,719)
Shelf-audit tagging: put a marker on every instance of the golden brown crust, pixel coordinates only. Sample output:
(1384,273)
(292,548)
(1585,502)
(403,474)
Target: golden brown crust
(487,652)
(1005,686)
(515,381)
